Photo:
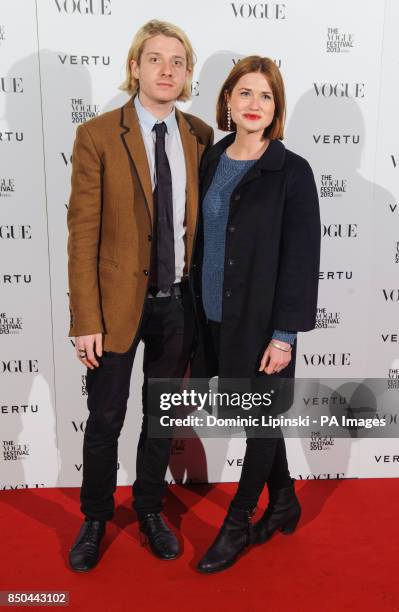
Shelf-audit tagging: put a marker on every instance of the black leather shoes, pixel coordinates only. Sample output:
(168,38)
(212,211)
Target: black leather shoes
(234,536)
(282,513)
(157,534)
(84,554)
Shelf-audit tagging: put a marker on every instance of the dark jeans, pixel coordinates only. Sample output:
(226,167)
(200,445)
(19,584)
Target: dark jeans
(167,330)
(265,459)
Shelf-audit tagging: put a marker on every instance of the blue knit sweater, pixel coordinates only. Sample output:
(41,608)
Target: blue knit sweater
(215,210)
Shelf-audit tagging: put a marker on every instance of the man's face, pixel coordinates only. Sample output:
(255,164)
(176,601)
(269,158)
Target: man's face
(162,70)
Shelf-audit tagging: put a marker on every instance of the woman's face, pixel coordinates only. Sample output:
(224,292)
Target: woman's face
(252,103)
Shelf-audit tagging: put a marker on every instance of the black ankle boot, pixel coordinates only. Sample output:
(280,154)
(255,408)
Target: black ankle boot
(282,513)
(234,536)
(84,553)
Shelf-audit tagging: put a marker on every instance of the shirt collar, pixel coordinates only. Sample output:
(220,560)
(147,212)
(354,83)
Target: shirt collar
(147,119)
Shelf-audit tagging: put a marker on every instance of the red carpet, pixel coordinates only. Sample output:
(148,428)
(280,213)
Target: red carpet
(343,555)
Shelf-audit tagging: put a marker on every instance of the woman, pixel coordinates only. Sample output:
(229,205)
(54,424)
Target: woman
(255,276)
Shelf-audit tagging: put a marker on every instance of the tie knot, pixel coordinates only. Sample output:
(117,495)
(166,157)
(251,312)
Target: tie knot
(160,129)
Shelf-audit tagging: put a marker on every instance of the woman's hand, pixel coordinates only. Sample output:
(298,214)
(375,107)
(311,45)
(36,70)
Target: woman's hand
(274,360)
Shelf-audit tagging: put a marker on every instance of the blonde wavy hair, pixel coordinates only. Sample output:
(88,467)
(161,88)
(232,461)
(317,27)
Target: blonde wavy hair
(148,30)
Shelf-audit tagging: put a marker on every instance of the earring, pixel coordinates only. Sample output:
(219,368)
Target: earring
(228,118)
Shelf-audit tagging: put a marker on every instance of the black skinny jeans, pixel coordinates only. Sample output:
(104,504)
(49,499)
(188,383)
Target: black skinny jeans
(265,459)
(167,330)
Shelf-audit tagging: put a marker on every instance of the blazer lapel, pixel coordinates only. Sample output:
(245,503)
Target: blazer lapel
(133,141)
(190,148)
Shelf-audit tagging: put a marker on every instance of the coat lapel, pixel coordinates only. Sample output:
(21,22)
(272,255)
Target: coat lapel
(212,159)
(134,144)
(271,160)
(190,148)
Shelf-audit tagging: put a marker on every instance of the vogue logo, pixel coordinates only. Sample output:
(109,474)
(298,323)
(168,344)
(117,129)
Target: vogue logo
(339,275)
(84,7)
(7,187)
(13,487)
(11,84)
(327,320)
(278,62)
(326,476)
(319,442)
(15,232)
(395,160)
(10,325)
(336,138)
(83,387)
(2,33)
(81,111)
(331,187)
(339,230)
(66,159)
(339,90)
(85,60)
(337,42)
(393,208)
(393,379)
(19,366)
(14,451)
(79,426)
(392,418)
(328,359)
(259,10)
(391,295)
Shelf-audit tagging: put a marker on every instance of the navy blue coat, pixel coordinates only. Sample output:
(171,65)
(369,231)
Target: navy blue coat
(272,258)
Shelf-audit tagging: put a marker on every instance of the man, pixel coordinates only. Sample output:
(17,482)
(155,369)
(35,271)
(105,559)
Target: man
(132,219)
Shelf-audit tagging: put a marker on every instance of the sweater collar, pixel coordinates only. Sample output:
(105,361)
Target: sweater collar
(272,159)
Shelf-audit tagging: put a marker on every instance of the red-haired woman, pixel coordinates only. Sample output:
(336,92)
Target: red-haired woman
(255,276)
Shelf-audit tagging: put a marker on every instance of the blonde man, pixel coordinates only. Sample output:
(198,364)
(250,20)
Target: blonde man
(132,220)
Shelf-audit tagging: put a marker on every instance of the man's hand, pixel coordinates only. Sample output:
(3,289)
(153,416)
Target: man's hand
(274,360)
(87,348)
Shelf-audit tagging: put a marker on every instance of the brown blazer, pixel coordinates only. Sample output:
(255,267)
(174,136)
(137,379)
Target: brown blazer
(110,221)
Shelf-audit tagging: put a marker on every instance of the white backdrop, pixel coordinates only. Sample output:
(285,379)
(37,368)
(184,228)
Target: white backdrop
(61,62)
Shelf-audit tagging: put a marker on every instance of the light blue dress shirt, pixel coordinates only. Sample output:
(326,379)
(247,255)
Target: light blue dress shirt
(177,163)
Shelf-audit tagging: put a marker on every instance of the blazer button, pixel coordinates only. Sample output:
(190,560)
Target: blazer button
(237,197)
(145,272)
(230,262)
(232,229)
(149,238)
(228,293)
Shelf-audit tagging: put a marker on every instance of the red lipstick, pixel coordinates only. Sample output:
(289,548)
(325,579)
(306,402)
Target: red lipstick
(251,116)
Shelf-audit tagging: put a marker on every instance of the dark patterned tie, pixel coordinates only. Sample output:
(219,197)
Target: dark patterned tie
(164,263)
